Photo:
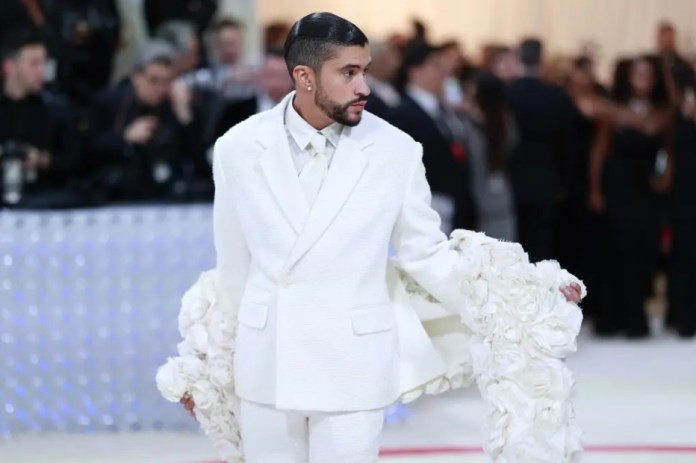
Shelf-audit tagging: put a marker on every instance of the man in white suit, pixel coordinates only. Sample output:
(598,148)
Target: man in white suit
(310,198)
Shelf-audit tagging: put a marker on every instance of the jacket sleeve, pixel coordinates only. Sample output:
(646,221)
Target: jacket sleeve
(421,248)
(232,253)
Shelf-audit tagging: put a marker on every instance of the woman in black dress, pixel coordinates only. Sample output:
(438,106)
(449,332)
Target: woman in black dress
(630,167)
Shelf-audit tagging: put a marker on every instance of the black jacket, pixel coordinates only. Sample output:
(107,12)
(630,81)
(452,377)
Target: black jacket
(43,121)
(131,169)
(446,172)
(538,166)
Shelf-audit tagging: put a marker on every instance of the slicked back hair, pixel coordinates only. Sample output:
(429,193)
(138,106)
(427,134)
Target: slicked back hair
(313,39)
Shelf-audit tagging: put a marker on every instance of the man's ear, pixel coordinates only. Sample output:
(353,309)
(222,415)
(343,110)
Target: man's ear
(305,78)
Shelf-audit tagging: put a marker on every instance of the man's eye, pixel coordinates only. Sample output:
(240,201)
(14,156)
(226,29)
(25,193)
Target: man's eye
(350,73)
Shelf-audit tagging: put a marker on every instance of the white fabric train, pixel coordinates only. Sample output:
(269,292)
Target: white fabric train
(511,336)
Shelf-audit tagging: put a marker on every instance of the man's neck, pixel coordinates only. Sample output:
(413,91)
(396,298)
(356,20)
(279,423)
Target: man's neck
(13,91)
(310,112)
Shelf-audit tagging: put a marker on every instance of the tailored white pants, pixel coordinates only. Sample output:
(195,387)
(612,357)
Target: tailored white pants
(279,436)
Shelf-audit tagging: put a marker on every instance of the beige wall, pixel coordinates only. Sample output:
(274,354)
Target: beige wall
(616,26)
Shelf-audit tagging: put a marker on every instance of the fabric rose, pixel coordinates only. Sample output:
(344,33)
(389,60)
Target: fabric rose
(170,382)
(204,394)
(196,343)
(195,307)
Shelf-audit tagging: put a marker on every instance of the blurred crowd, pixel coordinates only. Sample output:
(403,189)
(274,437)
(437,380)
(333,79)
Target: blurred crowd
(72,136)
(601,177)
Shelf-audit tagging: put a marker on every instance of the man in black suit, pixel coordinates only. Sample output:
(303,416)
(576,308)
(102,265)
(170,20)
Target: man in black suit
(40,157)
(543,114)
(422,115)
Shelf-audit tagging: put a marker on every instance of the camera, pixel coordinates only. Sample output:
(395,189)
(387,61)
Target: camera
(14,176)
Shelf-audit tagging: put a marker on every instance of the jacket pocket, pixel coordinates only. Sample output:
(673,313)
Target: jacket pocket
(253,315)
(373,319)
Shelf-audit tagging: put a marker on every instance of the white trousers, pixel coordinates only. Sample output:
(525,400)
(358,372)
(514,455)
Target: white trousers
(277,436)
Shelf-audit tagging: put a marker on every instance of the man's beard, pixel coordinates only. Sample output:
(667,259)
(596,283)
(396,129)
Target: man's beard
(336,111)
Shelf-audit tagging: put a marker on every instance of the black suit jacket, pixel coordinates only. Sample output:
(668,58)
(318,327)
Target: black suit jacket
(445,174)
(538,164)
(235,112)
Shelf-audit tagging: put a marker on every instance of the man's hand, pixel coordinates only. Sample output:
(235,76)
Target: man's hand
(572,293)
(189,405)
(180,97)
(140,131)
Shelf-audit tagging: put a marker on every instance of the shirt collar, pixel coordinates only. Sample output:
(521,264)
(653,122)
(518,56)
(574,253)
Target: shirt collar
(302,132)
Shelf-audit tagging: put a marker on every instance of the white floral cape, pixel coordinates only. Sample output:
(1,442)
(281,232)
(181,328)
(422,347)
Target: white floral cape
(511,336)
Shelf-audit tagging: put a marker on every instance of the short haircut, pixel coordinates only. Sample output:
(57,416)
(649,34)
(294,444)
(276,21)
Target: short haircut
(154,52)
(416,54)
(178,34)
(313,39)
(223,23)
(666,26)
(15,40)
(530,52)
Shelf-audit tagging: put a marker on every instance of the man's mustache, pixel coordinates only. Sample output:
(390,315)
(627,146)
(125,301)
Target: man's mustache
(357,100)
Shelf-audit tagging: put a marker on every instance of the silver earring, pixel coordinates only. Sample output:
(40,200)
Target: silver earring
(309,89)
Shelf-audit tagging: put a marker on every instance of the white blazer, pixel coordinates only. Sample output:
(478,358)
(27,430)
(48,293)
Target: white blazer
(317,326)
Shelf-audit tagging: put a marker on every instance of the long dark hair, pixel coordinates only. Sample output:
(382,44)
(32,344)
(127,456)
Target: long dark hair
(622,91)
(491,100)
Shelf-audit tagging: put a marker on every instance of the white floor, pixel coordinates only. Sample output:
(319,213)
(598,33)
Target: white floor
(636,403)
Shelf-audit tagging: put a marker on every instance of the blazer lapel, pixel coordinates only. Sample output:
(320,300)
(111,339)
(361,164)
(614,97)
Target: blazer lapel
(279,169)
(348,164)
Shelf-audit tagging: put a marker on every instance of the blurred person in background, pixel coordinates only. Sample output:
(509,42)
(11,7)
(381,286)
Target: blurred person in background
(81,37)
(492,137)
(543,114)
(503,63)
(39,154)
(88,33)
(143,136)
(273,84)
(29,15)
(225,42)
(181,36)
(224,81)
(626,180)
(582,240)
(274,34)
(198,12)
(682,293)
(454,62)
(672,62)
(424,115)
(384,96)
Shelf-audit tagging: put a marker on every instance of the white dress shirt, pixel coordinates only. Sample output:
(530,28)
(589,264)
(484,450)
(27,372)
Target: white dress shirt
(300,134)
(426,100)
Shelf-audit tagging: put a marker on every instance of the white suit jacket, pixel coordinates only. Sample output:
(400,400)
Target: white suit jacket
(318,329)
